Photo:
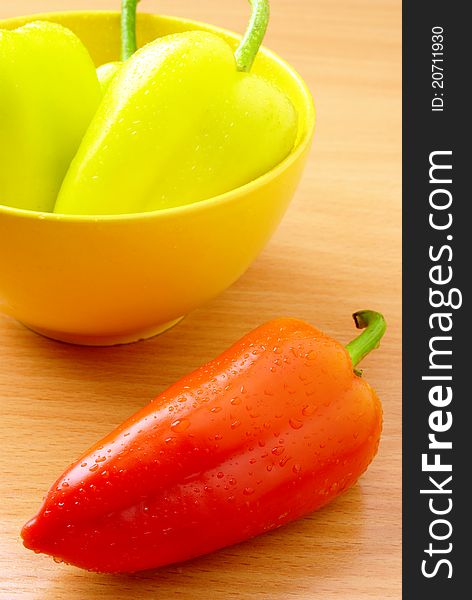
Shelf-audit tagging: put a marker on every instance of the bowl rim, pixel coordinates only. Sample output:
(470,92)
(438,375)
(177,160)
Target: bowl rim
(302,144)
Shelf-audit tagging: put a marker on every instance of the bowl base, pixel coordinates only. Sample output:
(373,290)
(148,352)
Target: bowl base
(112,340)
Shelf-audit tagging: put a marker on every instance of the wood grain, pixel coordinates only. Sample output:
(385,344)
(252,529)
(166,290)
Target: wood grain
(337,250)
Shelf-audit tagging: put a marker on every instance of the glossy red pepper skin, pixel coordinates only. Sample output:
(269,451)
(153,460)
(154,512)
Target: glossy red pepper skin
(274,428)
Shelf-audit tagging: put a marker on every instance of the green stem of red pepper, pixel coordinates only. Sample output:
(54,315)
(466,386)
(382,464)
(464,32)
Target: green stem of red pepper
(374,327)
(128,28)
(252,39)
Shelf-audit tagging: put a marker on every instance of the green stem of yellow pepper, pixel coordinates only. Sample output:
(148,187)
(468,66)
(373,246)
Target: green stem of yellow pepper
(252,39)
(128,28)
(245,53)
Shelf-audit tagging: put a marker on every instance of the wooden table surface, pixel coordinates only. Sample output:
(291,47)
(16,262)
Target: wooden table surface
(337,250)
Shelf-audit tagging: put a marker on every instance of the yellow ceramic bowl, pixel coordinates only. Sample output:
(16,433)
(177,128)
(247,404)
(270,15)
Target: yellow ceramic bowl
(109,280)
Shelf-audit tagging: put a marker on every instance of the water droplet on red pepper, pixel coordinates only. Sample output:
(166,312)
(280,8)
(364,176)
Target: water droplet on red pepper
(180,425)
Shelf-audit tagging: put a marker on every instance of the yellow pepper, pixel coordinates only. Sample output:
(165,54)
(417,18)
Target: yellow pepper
(181,121)
(48,94)
(106,73)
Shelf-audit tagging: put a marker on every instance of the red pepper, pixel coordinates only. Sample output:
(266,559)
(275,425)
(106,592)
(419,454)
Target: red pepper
(272,429)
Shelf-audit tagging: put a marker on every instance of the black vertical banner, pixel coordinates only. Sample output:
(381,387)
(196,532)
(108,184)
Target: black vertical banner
(437,266)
